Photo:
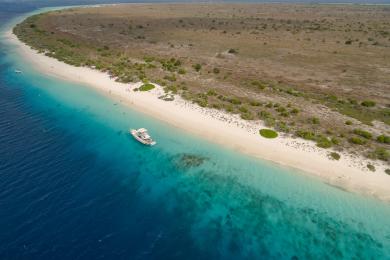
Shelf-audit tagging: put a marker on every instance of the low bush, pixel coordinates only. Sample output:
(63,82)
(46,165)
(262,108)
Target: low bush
(362,133)
(268,133)
(383,139)
(348,122)
(324,142)
(243,109)
(255,103)
(307,135)
(335,141)
(258,84)
(282,127)
(334,156)
(201,102)
(294,111)
(247,116)
(387,171)
(146,87)
(211,92)
(197,67)
(357,140)
(263,114)
(381,154)
(270,122)
(368,103)
(215,70)
(314,120)
(235,101)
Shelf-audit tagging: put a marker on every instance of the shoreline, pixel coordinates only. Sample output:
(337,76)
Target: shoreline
(349,173)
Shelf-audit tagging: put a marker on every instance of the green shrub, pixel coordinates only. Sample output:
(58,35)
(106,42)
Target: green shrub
(235,101)
(243,109)
(368,103)
(197,67)
(181,71)
(362,133)
(211,92)
(255,103)
(258,84)
(201,102)
(387,171)
(170,77)
(294,111)
(282,127)
(307,135)
(335,141)
(270,122)
(381,154)
(324,142)
(314,120)
(268,133)
(371,167)
(383,139)
(232,51)
(263,114)
(357,140)
(348,122)
(215,70)
(334,156)
(247,116)
(146,87)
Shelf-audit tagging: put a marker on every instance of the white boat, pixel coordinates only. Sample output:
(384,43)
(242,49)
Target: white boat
(142,136)
(18,71)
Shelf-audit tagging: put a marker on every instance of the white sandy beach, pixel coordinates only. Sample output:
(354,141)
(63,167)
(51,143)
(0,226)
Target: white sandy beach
(349,172)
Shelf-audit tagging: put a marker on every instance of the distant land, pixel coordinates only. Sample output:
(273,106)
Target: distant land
(313,77)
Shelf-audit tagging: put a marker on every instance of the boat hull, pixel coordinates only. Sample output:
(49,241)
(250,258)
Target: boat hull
(136,137)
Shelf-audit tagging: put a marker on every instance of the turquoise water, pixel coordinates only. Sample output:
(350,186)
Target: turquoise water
(75,185)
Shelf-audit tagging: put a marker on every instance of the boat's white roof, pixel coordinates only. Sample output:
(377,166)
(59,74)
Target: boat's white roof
(142,130)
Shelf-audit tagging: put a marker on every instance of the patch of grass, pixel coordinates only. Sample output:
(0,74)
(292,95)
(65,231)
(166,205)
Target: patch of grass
(383,139)
(314,120)
(247,116)
(268,133)
(357,140)
(368,103)
(146,87)
(324,142)
(197,67)
(380,153)
(334,156)
(362,133)
(282,127)
(307,135)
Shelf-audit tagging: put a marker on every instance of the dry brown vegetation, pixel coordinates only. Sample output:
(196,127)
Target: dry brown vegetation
(316,71)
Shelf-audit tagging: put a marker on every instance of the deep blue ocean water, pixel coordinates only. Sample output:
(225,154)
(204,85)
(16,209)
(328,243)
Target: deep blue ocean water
(74,185)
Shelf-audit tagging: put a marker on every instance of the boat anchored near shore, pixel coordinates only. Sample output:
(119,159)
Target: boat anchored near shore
(142,136)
